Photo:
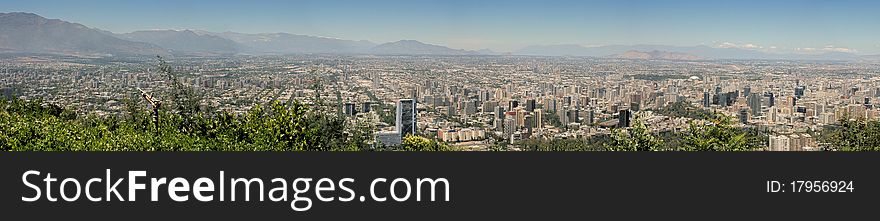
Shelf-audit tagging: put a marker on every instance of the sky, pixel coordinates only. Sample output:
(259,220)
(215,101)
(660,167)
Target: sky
(777,26)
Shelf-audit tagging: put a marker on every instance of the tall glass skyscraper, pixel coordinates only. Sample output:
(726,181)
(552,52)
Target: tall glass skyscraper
(406,117)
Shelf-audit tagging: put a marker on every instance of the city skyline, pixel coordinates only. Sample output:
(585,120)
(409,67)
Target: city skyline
(800,27)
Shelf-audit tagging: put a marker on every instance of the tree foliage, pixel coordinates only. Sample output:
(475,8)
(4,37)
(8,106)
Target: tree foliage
(852,135)
(31,125)
(591,144)
(686,110)
(183,125)
(637,138)
(417,143)
(717,134)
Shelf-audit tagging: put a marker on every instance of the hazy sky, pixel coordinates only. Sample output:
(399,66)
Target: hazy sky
(770,25)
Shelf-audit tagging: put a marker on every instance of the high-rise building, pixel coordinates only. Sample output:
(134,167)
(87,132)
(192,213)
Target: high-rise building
(365,107)
(539,116)
(744,116)
(729,98)
(591,118)
(799,91)
(754,101)
(563,116)
(779,143)
(406,117)
(531,104)
(512,104)
(747,91)
(706,99)
(551,105)
(348,109)
(529,124)
(470,107)
(635,102)
(509,126)
(624,119)
(573,116)
(721,99)
(520,117)
(771,100)
(489,106)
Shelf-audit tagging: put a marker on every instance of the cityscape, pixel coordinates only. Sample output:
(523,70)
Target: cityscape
(534,97)
(476,102)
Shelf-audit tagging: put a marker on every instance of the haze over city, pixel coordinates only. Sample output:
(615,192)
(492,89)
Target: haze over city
(441,75)
(788,26)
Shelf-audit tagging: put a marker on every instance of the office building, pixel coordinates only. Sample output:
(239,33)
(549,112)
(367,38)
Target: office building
(348,109)
(624,118)
(406,117)
(531,104)
(754,101)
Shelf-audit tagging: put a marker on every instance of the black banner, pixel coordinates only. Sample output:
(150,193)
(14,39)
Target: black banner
(481,185)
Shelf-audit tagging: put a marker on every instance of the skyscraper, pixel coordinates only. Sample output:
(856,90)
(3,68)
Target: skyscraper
(470,107)
(573,116)
(754,101)
(366,108)
(624,119)
(538,118)
(529,124)
(799,91)
(592,116)
(509,126)
(721,99)
(406,117)
(744,116)
(531,105)
(706,99)
(747,91)
(348,109)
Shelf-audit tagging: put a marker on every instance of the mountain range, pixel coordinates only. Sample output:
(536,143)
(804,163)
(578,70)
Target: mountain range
(31,33)
(284,43)
(658,55)
(699,51)
(184,42)
(25,32)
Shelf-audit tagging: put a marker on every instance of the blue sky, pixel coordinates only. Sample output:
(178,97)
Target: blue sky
(802,26)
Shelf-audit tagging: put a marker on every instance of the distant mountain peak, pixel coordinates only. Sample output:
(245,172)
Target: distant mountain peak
(413,47)
(185,41)
(286,43)
(657,55)
(31,33)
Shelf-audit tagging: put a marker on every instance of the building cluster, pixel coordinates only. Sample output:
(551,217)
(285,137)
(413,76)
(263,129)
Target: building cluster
(480,101)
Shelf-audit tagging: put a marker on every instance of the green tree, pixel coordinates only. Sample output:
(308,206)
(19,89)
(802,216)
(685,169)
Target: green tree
(591,144)
(417,143)
(637,138)
(852,135)
(180,98)
(717,134)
